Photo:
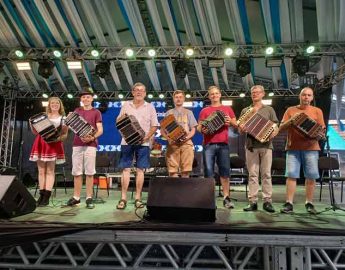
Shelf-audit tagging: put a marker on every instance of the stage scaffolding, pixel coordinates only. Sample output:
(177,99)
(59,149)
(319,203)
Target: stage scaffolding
(111,249)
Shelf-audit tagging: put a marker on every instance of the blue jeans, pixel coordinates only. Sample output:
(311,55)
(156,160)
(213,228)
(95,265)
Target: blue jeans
(219,153)
(141,154)
(307,159)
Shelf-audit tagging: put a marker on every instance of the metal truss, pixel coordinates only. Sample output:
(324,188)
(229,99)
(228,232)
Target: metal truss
(108,249)
(337,76)
(7,132)
(174,52)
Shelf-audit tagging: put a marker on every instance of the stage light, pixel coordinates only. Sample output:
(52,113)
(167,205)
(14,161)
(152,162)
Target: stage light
(57,53)
(242,95)
(310,49)
(74,64)
(45,104)
(181,68)
(228,51)
(269,50)
(45,68)
(189,52)
(129,52)
(150,96)
(243,66)
(161,96)
(151,52)
(121,96)
(227,102)
(69,95)
(19,53)
(215,63)
(95,96)
(274,61)
(23,66)
(188,95)
(267,101)
(95,53)
(270,94)
(45,95)
(300,65)
(102,69)
(187,104)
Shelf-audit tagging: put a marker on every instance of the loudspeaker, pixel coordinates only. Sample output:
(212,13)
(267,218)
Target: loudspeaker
(15,199)
(181,200)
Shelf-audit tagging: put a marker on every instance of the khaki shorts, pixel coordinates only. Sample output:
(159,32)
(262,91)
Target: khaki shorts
(84,159)
(180,158)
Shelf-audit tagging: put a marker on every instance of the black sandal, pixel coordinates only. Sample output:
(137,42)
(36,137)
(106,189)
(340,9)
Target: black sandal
(138,204)
(121,205)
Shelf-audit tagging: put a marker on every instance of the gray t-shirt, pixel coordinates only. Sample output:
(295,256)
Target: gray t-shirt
(184,117)
(268,113)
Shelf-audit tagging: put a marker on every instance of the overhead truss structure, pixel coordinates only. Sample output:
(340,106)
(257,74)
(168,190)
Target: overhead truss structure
(172,52)
(110,249)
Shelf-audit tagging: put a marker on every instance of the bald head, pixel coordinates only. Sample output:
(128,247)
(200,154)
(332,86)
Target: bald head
(306,96)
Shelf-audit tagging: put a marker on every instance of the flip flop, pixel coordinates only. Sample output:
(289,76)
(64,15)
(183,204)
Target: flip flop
(138,204)
(121,205)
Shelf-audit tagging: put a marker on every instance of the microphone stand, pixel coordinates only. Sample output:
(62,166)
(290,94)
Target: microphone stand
(333,206)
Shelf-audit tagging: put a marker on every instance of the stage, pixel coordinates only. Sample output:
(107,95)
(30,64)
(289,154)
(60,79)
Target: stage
(107,238)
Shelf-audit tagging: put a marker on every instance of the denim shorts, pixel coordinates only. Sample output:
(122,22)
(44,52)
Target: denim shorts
(139,153)
(308,160)
(219,153)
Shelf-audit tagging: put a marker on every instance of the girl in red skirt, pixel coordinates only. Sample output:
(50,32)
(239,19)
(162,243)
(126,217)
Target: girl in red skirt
(48,154)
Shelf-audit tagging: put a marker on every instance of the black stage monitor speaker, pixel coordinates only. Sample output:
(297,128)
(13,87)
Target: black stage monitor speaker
(181,200)
(15,199)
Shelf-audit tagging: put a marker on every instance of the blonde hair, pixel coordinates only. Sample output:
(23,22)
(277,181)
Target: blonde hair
(61,109)
(257,86)
(138,84)
(176,92)
(212,87)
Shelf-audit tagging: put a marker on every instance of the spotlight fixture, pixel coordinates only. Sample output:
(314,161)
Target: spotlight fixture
(95,96)
(242,95)
(151,52)
(189,52)
(150,96)
(243,66)
(181,68)
(227,102)
(269,50)
(121,96)
(228,51)
(270,94)
(57,54)
(23,66)
(19,53)
(102,69)
(129,52)
(45,103)
(300,65)
(267,101)
(188,95)
(95,53)
(310,49)
(45,68)
(45,95)
(161,96)
(215,63)
(74,64)
(69,95)
(274,61)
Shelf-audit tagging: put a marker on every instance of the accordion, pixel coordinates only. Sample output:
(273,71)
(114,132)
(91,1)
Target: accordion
(307,126)
(214,122)
(130,129)
(256,125)
(174,131)
(79,125)
(45,128)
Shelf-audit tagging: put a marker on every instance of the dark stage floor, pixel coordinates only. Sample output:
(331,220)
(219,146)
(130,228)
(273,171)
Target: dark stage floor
(106,216)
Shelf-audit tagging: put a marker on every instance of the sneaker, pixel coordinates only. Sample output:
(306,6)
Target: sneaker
(72,201)
(251,207)
(310,208)
(227,203)
(287,208)
(89,203)
(268,207)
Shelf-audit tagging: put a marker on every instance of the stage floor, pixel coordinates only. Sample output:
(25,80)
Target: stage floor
(106,216)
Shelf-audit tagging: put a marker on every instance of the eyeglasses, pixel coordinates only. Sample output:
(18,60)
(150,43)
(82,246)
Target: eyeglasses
(139,90)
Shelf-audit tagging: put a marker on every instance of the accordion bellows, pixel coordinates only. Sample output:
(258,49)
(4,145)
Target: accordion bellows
(214,122)
(44,127)
(79,125)
(130,129)
(307,126)
(256,125)
(174,131)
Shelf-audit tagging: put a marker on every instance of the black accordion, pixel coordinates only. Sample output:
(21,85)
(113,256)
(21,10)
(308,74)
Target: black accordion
(79,125)
(41,123)
(174,131)
(214,122)
(130,129)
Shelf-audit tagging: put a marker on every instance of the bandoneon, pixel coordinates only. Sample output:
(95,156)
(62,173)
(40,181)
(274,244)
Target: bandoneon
(130,129)
(308,127)
(214,122)
(45,128)
(79,125)
(256,125)
(174,131)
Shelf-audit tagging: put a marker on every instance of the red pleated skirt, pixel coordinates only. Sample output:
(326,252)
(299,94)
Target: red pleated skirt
(47,151)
